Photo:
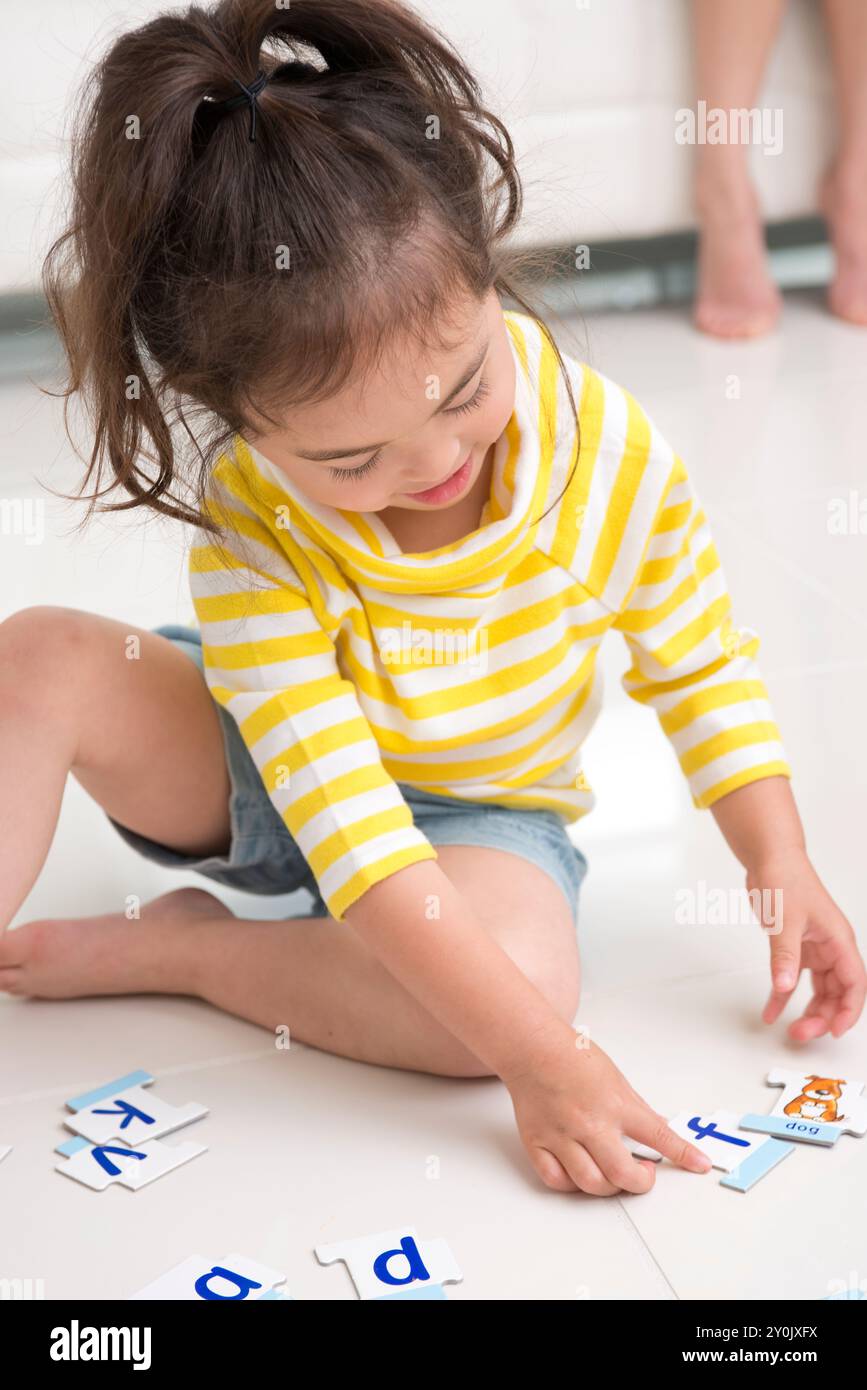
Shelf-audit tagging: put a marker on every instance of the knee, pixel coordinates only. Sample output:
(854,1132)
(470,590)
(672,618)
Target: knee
(33,636)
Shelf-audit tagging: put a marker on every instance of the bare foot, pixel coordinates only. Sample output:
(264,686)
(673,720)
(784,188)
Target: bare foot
(67,958)
(735,296)
(844,205)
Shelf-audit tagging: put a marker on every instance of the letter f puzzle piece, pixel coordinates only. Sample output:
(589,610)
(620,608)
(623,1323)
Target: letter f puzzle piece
(233,1279)
(122,1110)
(395,1264)
(741,1157)
(101,1165)
(814,1109)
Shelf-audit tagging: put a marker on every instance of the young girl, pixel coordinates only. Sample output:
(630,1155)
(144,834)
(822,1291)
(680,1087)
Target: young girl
(408,549)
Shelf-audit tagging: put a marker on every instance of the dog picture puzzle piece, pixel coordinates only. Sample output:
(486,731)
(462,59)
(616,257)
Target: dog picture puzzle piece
(743,1157)
(811,1108)
(102,1165)
(230,1279)
(123,1110)
(395,1264)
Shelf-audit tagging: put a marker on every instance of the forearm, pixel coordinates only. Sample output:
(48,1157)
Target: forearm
(760,821)
(455,969)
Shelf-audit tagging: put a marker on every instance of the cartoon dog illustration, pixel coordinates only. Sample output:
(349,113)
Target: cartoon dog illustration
(818,1101)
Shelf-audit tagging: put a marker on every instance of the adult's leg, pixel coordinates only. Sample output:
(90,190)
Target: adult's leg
(736,297)
(844,192)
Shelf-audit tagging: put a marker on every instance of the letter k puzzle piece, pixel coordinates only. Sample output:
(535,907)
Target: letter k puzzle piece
(812,1108)
(395,1264)
(232,1279)
(101,1165)
(123,1110)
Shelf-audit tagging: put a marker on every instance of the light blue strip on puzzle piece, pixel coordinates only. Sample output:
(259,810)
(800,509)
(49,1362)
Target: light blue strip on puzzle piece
(73,1146)
(273,1294)
(759,1162)
(419,1291)
(847,1293)
(111,1088)
(787,1127)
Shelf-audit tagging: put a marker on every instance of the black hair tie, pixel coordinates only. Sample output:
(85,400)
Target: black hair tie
(247,98)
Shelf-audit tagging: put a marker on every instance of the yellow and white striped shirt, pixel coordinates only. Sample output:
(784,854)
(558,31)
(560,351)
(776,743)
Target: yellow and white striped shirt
(469,670)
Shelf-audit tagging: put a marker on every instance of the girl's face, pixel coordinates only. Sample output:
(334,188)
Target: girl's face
(415,435)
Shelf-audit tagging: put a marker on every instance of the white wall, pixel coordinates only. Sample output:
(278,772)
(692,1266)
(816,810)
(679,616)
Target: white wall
(588,89)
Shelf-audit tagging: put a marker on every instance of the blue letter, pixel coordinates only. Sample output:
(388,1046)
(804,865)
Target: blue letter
(244,1285)
(101,1150)
(408,1248)
(129,1112)
(701,1131)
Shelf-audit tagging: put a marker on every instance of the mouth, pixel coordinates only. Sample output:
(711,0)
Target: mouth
(450,487)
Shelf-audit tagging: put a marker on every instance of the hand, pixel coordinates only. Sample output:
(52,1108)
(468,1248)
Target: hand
(815,936)
(573,1108)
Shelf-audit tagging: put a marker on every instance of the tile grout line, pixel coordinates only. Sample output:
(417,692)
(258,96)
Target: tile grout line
(75,1089)
(654,1261)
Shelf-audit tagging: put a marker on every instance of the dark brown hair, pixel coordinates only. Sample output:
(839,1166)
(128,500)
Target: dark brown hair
(206,278)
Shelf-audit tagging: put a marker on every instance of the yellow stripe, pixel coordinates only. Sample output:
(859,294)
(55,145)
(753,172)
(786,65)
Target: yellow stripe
(742,779)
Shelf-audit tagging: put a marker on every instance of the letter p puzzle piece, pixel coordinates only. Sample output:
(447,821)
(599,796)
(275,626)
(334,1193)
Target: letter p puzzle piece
(395,1264)
(815,1109)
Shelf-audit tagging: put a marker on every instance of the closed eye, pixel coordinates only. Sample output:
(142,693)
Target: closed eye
(344,475)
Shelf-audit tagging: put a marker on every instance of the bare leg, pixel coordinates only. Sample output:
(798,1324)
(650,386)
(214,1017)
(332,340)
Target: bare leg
(736,297)
(844,191)
(314,976)
(141,734)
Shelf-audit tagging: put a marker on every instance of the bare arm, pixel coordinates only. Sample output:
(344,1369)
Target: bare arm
(762,827)
(573,1107)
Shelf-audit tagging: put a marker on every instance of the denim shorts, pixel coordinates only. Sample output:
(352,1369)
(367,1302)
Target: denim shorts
(265,858)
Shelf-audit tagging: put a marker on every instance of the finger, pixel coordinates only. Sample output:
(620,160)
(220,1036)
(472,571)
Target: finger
(10,979)
(551,1171)
(785,966)
(627,1172)
(852,976)
(652,1129)
(585,1171)
(817,1016)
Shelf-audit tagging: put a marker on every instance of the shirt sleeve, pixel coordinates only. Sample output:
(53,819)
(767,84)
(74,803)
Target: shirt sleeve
(690,662)
(270,662)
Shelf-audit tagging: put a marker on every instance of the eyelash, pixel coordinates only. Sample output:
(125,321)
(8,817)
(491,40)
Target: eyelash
(344,475)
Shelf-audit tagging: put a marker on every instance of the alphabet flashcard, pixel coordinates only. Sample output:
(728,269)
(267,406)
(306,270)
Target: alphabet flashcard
(122,1110)
(743,1158)
(101,1165)
(231,1279)
(814,1109)
(395,1264)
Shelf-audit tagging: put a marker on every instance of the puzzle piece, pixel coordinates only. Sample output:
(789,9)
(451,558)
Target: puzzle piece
(122,1110)
(812,1108)
(394,1264)
(231,1279)
(743,1158)
(423,1291)
(716,1135)
(101,1165)
(4,1150)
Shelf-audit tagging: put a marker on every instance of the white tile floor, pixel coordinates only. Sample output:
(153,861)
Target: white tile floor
(305,1147)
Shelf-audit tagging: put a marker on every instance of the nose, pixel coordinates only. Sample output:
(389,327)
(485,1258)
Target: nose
(433,475)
